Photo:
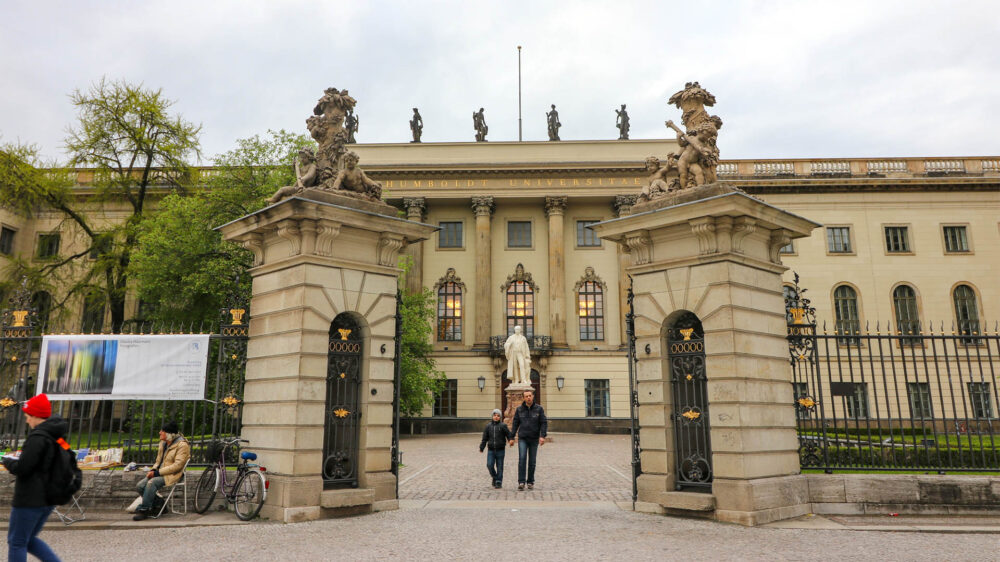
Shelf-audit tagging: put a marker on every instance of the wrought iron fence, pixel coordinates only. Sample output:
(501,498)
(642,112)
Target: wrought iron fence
(539,345)
(132,425)
(893,400)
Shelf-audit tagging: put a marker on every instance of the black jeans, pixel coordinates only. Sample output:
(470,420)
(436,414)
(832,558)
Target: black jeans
(527,453)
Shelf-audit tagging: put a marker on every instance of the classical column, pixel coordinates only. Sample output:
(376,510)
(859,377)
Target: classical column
(623,207)
(555,208)
(415,208)
(483,207)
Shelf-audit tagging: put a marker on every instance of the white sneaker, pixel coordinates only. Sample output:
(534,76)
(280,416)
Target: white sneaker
(135,505)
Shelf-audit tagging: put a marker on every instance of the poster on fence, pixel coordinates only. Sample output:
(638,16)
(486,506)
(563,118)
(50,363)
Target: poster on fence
(123,367)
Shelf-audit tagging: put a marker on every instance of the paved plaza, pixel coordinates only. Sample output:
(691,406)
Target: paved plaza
(578,511)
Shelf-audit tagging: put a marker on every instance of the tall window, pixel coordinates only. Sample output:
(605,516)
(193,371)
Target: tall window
(597,393)
(585,236)
(845,306)
(446,402)
(92,320)
(7,240)
(920,400)
(956,239)
(838,239)
(450,235)
(42,303)
(450,312)
(966,312)
(897,239)
(801,390)
(982,402)
(857,402)
(904,302)
(521,308)
(48,246)
(591,305)
(519,234)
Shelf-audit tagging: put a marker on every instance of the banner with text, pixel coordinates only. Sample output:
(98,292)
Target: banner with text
(123,367)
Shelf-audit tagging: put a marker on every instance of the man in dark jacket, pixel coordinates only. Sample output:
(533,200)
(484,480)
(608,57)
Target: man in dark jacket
(531,428)
(29,510)
(495,437)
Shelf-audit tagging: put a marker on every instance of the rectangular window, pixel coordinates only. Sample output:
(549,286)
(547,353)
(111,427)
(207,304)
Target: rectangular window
(801,390)
(920,400)
(838,239)
(585,237)
(956,239)
(446,402)
(857,402)
(100,246)
(982,402)
(897,239)
(787,249)
(48,246)
(519,234)
(450,235)
(7,240)
(597,394)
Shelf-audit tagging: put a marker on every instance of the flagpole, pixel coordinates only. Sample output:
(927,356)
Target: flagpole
(519,93)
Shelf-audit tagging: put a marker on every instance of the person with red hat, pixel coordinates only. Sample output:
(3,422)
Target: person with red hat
(29,509)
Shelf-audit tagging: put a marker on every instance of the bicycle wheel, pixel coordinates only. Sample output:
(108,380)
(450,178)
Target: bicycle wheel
(249,495)
(206,490)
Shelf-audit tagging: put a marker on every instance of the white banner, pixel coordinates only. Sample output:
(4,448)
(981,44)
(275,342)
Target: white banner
(123,367)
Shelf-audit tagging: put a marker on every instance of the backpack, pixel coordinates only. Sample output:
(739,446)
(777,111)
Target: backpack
(64,477)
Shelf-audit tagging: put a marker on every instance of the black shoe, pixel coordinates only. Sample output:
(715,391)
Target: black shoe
(531,486)
(520,486)
(140,516)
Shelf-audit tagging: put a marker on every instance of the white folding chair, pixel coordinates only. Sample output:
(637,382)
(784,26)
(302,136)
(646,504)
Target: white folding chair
(168,500)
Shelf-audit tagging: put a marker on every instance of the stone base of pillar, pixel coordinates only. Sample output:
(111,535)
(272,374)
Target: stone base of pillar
(515,397)
(761,500)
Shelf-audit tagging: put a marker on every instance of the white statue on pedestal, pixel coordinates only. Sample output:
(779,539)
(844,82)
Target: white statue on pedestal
(518,358)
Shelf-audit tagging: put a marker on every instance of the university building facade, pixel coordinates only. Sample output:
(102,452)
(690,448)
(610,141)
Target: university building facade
(906,244)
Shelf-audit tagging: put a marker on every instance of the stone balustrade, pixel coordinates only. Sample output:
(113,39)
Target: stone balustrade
(887,167)
(830,168)
(991,166)
(944,166)
(773,169)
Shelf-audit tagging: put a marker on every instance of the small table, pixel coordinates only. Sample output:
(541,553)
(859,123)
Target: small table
(101,483)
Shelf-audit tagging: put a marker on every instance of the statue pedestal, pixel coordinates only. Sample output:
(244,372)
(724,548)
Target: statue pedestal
(515,397)
(319,257)
(714,253)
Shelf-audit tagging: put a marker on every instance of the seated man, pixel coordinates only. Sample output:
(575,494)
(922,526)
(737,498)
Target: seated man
(166,471)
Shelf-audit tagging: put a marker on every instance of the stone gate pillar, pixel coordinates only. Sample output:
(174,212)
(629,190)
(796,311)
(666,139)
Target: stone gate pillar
(318,255)
(714,251)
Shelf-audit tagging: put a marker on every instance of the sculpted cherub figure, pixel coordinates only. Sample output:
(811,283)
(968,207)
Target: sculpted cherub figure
(305,175)
(662,179)
(352,178)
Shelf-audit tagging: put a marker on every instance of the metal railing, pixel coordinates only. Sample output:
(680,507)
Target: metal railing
(131,425)
(892,401)
(539,345)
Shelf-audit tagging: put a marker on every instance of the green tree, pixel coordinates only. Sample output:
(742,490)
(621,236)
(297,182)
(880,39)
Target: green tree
(419,380)
(137,150)
(182,267)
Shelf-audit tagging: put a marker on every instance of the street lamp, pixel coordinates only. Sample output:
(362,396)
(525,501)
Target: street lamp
(481,381)
(560,382)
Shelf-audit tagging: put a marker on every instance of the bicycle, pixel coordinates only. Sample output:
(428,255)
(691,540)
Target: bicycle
(248,490)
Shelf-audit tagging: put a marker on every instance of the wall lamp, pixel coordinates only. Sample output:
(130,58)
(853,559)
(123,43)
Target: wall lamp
(481,381)
(560,382)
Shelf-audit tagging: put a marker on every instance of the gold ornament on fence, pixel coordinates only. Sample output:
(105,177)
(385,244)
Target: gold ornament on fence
(340,413)
(686,332)
(6,402)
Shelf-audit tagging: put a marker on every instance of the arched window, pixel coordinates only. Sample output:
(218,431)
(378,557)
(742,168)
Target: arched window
(591,305)
(904,303)
(521,308)
(42,303)
(450,312)
(966,312)
(845,306)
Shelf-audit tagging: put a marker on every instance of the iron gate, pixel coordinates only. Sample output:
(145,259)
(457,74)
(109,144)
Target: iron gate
(343,387)
(633,405)
(693,451)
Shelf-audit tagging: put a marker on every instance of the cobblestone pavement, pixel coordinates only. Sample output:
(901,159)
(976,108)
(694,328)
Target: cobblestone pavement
(572,467)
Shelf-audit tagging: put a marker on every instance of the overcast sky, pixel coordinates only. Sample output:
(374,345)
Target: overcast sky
(792,79)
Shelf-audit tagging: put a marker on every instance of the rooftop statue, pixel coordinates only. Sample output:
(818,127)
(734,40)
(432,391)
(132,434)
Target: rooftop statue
(330,167)
(552,118)
(622,123)
(416,125)
(479,123)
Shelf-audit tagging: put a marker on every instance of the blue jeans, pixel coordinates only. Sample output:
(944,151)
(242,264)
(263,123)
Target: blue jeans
(147,488)
(527,453)
(494,463)
(22,530)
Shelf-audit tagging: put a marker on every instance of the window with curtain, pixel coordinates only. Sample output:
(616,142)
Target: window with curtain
(521,308)
(966,313)
(449,313)
(904,303)
(845,306)
(590,302)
